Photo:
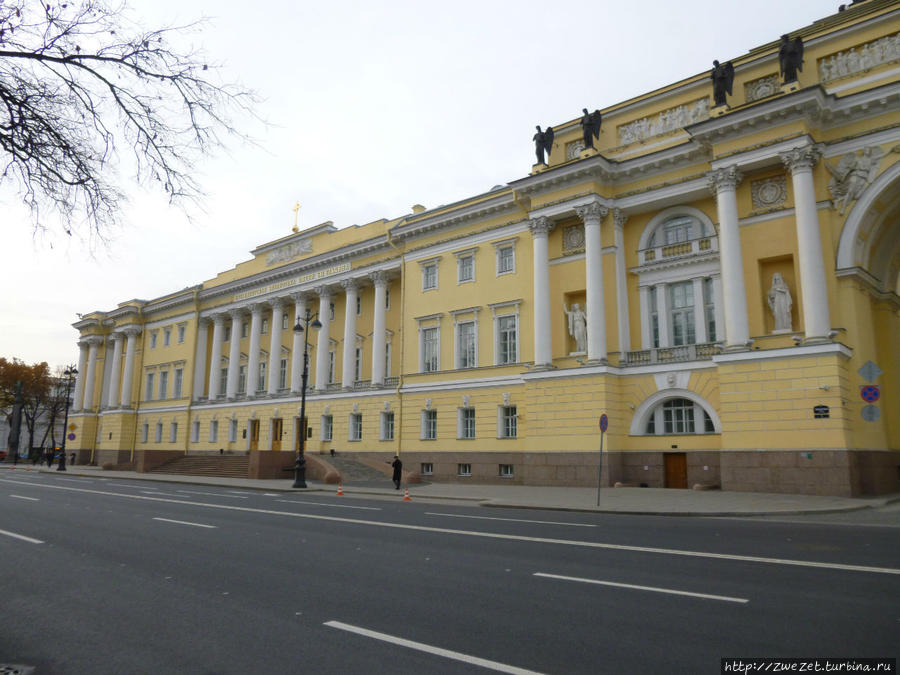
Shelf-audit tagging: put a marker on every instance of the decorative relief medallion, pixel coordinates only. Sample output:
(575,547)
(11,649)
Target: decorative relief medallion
(573,149)
(664,122)
(769,193)
(762,88)
(573,238)
(860,58)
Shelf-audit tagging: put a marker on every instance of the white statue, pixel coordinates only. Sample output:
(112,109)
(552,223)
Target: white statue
(780,303)
(577,326)
(852,174)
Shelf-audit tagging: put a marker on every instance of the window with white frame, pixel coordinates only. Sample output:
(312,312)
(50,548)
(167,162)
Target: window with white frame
(245,329)
(232,431)
(466,345)
(282,373)
(507,471)
(506,256)
(358,305)
(331,311)
(181,332)
(681,313)
(214,431)
(327,428)
(429,275)
(465,268)
(709,310)
(387,359)
(173,432)
(466,424)
(158,436)
(653,309)
(242,379)
(463,469)
(679,416)
(429,425)
(355,427)
(284,321)
(178,385)
(167,336)
(261,378)
(223,381)
(431,349)
(387,298)
(264,329)
(153,335)
(195,431)
(507,339)
(427,469)
(331,357)
(387,426)
(227,336)
(149,392)
(507,421)
(163,384)
(145,432)
(357,366)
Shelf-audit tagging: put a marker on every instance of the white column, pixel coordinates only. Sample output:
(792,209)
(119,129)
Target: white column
(90,376)
(215,357)
(699,312)
(78,395)
(593,215)
(737,331)
(813,289)
(297,346)
(662,316)
(253,357)
(275,346)
(379,347)
(234,355)
(200,358)
(128,377)
(619,219)
(351,291)
(112,394)
(323,343)
(543,335)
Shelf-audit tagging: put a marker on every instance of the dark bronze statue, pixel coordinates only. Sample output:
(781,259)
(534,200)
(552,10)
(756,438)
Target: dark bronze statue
(590,127)
(722,78)
(790,58)
(543,142)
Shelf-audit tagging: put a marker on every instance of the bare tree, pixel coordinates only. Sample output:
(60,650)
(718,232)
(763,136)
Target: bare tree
(79,79)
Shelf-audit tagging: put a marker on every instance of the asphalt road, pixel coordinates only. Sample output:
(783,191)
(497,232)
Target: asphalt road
(115,576)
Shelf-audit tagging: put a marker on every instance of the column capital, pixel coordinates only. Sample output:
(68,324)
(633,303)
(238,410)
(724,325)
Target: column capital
(798,159)
(379,278)
(323,291)
(276,303)
(236,313)
(540,227)
(299,296)
(619,218)
(257,308)
(218,318)
(91,340)
(728,178)
(595,211)
(350,285)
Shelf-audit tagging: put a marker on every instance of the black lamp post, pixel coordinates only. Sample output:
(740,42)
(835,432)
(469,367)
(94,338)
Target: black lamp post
(300,467)
(69,373)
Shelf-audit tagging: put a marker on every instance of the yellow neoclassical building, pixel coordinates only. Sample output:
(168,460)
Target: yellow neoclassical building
(718,277)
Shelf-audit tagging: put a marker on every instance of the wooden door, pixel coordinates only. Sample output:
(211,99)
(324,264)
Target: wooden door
(254,434)
(276,433)
(676,470)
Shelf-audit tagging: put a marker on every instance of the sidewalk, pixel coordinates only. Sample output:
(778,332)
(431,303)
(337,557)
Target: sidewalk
(645,501)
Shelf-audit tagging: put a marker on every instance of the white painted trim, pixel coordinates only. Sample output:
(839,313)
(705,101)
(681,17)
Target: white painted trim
(643,411)
(860,81)
(569,206)
(785,353)
(472,241)
(155,325)
(474,383)
(674,212)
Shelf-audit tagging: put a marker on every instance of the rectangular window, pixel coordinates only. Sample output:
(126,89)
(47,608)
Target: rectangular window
(429,425)
(214,431)
(148,395)
(264,330)
(681,296)
(327,427)
(181,332)
(508,421)
(158,435)
(387,426)
(507,471)
(195,431)
(463,469)
(242,379)
(331,366)
(357,368)
(232,431)
(709,310)
(282,374)
(284,321)
(429,276)
(431,345)
(261,378)
(163,384)
(466,268)
(173,432)
(678,416)
(153,340)
(167,337)
(654,317)
(145,432)
(244,329)
(355,427)
(358,305)
(227,336)
(179,383)
(506,260)
(387,298)
(467,423)
(427,469)
(223,381)
(507,336)
(465,345)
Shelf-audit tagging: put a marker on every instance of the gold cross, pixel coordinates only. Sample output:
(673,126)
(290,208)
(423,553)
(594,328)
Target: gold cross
(296,214)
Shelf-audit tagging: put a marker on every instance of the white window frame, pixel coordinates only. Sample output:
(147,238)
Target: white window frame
(354,428)
(242,379)
(464,430)
(501,310)
(195,431)
(214,431)
(507,471)
(145,432)
(178,384)
(465,263)
(464,469)
(285,321)
(261,377)
(282,373)
(173,432)
(427,469)
(158,435)
(167,336)
(426,323)
(148,393)
(358,363)
(331,361)
(264,326)
(462,352)
(232,430)
(427,266)
(182,331)
(327,428)
(505,245)
(505,413)
(386,426)
(163,385)
(223,381)
(153,338)
(226,336)
(428,430)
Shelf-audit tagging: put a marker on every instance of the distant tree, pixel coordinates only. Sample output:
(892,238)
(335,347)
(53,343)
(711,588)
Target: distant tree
(78,82)
(36,392)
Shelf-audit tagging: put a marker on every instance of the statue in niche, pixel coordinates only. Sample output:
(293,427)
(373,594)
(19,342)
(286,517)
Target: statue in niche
(577,326)
(590,127)
(780,303)
(722,78)
(790,58)
(543,142)
(852,174)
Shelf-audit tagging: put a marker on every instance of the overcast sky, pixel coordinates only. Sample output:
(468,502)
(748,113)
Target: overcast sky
(373,107)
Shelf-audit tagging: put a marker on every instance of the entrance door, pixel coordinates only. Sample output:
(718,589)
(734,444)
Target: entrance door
(254,434)
(676,470)
(276,433)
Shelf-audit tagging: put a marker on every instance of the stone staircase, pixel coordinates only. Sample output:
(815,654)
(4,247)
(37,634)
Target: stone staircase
(357,472)
(207,465)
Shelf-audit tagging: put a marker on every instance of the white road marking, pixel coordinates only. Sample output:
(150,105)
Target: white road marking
(271,494)
(509,520)
(211,494)
(239,492)
(491,535)
(157,492)
(654,589)
(184,522)
(337,506)
(22,537)
(393,640)
(75,480)
(31,499)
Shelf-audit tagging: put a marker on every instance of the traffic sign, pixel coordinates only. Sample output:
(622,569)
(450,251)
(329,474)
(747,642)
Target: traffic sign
(870,393)
(870,371)
(604,422)
(72,427)
(870,413)
(71,437)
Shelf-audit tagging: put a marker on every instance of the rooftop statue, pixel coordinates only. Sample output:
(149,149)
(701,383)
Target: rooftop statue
(543,142)
(590,126)
(790,58)
(722,78)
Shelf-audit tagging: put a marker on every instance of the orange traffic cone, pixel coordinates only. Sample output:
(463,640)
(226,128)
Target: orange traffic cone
(406,496)
(340,490)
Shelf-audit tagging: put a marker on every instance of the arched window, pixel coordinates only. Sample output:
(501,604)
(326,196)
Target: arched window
(679,416)
(676,230)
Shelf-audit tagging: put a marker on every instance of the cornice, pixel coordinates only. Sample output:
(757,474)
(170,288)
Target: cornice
(456,214)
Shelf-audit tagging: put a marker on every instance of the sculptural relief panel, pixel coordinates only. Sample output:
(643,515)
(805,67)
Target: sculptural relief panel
(664,122)
(762,88)
(860,58)
(768,193)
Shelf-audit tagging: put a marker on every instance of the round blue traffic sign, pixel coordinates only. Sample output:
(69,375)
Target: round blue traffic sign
(604,422)
(870,393)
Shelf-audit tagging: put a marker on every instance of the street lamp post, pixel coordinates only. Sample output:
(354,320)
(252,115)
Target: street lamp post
(300,466)
(69,373)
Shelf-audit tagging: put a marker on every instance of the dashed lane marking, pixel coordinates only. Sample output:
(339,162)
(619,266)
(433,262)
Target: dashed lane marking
(508,520)
(336,506)
(184,522)
(654,589)
(209,494)
(31,499)
(21,536)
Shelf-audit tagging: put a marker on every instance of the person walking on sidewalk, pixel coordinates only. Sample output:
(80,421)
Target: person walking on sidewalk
(398,468)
